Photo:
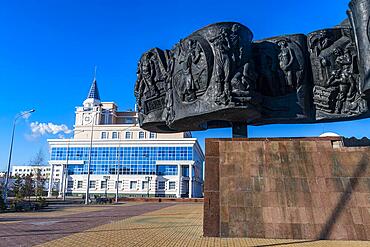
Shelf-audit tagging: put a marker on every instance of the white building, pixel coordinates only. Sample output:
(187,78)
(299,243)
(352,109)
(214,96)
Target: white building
(142,162)
(33,170)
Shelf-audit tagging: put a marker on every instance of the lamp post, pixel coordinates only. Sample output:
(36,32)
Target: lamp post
(148,178)
(64,180)
(89,162)
(118,157)
(106,178)
(118,170)
(5,192)
(65,169)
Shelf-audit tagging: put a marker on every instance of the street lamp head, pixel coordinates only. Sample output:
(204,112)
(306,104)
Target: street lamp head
(22,114)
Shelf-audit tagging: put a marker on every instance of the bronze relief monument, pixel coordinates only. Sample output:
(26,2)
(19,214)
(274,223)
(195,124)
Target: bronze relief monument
(301,188)
(220,77)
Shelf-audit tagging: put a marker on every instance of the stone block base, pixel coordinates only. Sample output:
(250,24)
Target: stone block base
(297,188)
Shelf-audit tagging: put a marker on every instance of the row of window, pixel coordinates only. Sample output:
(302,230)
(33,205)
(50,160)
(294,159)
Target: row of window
(123,153)
(161,185)
(123,160)
(160,170)
(128,135)
(43,174)
(140,160)
(27,170)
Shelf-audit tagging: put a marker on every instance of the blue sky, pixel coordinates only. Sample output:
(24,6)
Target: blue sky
(48,50)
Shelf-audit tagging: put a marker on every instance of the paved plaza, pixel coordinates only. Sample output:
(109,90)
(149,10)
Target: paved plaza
(129,224)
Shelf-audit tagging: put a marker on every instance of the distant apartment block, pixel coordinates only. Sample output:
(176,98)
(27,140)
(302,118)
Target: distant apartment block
(33,170)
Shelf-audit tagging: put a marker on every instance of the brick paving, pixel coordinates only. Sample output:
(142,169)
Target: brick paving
(178,225)
(30,229)
(131,224)
(52,211)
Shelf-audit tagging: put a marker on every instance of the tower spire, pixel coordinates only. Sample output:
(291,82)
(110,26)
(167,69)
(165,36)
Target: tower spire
(95,67)
(94,92)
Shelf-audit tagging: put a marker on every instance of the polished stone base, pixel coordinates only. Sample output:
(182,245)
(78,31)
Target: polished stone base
(300,188)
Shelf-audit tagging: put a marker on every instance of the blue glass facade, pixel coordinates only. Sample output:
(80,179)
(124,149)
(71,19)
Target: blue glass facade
(166,170)
(127,160)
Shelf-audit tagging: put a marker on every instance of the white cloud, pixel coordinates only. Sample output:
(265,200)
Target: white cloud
(40,129)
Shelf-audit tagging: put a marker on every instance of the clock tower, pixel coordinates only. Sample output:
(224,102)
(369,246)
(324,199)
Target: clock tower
(91,111)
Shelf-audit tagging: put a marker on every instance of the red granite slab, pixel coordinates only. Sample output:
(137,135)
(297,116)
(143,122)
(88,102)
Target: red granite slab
(301,188)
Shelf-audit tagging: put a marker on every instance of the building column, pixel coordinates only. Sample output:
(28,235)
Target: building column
(61,183)
(65,182)
(190,180)
(51,181)
(179,181)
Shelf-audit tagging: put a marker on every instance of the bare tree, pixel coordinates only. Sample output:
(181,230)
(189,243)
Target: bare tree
(38,159)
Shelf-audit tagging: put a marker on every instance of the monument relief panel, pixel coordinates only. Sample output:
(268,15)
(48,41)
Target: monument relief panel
(219,77)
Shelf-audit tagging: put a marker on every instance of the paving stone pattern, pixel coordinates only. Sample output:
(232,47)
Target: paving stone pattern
(32,230)
(176,226)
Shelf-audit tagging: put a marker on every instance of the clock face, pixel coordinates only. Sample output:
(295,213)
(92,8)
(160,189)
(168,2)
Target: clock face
(87,119)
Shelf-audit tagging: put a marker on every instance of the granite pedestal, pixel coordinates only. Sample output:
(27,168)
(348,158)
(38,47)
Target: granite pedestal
(300,188)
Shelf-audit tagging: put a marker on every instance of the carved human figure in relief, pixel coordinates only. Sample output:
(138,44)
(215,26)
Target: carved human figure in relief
(192,56)
(249,77)
(146,74)
(139,87)
(343,78)
(236,46)
(244,84)
(318,43)
(222,49)
(169,112)
(286,60)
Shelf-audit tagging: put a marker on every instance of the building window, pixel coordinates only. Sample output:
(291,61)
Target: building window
(107,117)
(104,135)
(164,170)
(128,120)
(141,135)
(171,185)
(115,135)
(92,184)
(79,184)
(103,184)
(145,185)
(161,185)
(70,184)
(128,135)
(152,135)
(133,185)
(185,171)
